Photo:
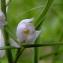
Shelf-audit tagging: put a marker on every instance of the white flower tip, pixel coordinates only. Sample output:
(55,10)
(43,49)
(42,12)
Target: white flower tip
(2,19)
(2,44)
(27,20)
(1,38)
(1,14)
(37,34)
(31,18)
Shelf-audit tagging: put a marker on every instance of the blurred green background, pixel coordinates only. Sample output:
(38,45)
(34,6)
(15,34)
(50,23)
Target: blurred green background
(51,29)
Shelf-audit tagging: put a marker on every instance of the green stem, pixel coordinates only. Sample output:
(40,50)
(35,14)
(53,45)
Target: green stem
(42,45)
(8,51)
(35,55)
(36,51)
(3,6)
(6,36)
(20,51)
(32,46)
(41,18)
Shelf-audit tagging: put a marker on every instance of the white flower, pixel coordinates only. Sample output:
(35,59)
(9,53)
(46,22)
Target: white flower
(2,44)
(26,31)
(2,19)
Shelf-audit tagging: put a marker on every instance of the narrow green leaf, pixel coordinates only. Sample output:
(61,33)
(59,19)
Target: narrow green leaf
(41,18)
(6,36)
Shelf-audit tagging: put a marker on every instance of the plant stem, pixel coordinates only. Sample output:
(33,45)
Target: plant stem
(35,55)
(3,6)
(32,46)
(6,36)
(41,18)
(42,45)
(21,50)
(36,51)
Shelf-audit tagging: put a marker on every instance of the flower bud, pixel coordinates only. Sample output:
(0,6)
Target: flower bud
(2,19)
(26,31)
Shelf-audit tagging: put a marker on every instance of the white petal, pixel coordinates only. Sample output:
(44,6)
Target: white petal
(2,44)
(19,33)
(37,33)
(36,36)
(26,21)
(31,38)
(2,19)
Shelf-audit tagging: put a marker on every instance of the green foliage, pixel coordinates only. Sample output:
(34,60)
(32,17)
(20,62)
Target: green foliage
(51,28)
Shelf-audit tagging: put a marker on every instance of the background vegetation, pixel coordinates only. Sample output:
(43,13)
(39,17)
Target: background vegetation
(51,28)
